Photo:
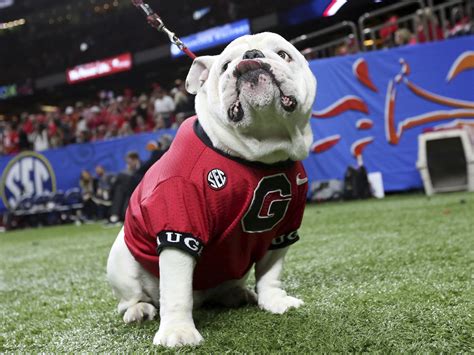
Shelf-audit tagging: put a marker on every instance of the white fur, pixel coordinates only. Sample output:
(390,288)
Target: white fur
(271,297)
(176,300)
(138,291)
(267,134)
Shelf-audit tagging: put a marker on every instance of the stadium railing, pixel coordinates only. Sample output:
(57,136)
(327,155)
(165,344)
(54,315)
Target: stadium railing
(446,12)
(341,34)
(425,23)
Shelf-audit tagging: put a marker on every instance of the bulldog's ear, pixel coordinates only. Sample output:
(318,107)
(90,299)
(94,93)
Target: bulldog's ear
(198,73)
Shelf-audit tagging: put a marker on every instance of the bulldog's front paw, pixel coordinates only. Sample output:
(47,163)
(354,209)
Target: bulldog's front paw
(276,301)
(179,334)
(139,312)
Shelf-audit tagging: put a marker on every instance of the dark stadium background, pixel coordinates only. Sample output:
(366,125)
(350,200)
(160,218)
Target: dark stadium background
(50,41)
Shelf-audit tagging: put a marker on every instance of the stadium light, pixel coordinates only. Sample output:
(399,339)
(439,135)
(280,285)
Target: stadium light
(199,14)
(11,24)
(49,108)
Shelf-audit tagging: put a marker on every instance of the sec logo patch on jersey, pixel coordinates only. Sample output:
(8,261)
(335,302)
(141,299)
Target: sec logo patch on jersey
(216,179)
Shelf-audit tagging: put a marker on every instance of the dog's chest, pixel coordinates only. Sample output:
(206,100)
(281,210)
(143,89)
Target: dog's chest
(252,200)
(225,211)
(248,208)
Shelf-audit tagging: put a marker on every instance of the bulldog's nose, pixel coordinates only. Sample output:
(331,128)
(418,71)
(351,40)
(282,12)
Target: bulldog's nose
(252,54)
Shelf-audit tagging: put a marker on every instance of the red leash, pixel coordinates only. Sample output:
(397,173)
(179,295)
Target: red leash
(157,23)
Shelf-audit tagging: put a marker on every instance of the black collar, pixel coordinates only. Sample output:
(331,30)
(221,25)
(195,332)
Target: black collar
(256,164)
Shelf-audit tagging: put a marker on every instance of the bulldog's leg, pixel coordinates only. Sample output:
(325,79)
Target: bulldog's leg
(271,297)
(233,293)
(176,300)
(136,289)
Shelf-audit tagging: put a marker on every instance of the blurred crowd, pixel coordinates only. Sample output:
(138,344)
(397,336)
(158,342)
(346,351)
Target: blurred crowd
(393,34)
(110,115)
(395,31)
(105,195)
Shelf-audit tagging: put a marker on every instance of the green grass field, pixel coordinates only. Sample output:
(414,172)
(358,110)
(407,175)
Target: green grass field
(390,275)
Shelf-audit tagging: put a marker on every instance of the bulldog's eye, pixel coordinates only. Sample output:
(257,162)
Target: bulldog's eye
(225,66)
(285,56)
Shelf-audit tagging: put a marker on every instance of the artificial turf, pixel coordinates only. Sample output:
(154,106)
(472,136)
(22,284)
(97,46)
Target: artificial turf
(391,275)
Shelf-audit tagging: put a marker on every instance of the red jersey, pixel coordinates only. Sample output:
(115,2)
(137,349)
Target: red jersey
(225,211)
(11,142)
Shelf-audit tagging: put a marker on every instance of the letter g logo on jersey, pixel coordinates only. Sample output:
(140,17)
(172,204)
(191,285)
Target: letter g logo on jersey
(29,174)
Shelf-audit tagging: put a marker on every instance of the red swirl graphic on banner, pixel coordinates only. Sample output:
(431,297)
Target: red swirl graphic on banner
(394,132)
(364,123)
(347,103)
(463,62)
(359,145)
(361,72)
(324,144)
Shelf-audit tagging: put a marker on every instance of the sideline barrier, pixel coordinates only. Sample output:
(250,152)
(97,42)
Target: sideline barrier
(37,173)
(372,107)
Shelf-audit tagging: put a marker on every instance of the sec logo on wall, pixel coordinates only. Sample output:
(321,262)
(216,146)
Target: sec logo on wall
(29,174)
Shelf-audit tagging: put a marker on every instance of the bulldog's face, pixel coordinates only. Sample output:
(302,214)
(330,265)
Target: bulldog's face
(260,91)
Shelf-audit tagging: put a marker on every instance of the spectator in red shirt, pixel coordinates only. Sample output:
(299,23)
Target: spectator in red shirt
(28,121)
(11,140)
(52,128)
(388,30)
(114,115)
(433,29)
(140,124)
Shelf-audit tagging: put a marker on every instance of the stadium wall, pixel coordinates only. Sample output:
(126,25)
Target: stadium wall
(374,105)
(59,169)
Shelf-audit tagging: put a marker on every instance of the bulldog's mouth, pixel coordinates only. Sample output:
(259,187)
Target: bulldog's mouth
(251,71)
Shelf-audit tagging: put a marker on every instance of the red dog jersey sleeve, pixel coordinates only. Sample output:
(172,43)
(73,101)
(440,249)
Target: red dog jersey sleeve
(224,211)
(176,214)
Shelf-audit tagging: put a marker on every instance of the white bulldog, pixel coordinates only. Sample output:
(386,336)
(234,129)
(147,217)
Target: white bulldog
(259,109)
(229,194)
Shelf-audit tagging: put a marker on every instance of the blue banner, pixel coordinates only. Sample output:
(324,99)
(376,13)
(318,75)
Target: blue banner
(36,173)
(373,106)
(213,37)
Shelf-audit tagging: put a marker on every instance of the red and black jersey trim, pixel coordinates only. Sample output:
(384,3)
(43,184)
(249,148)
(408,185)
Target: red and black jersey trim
(284,240)
(183,241)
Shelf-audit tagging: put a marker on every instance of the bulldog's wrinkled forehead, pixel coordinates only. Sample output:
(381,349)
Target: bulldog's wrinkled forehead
(261,41)
(266,39)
